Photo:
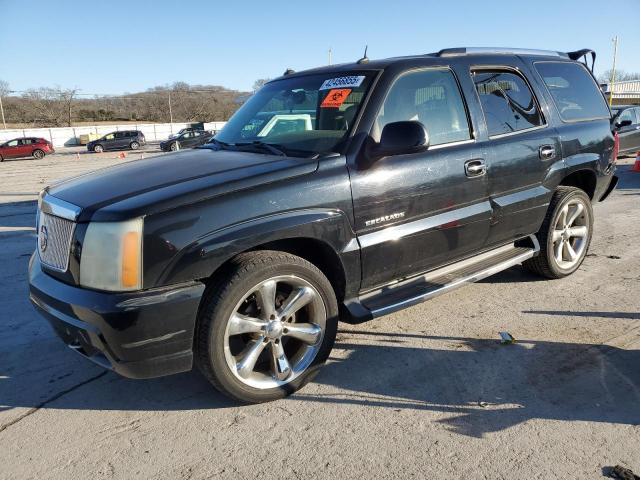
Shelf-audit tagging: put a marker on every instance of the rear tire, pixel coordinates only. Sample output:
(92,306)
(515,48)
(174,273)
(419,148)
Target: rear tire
(256,287)
(38,154)
(565,234)
(98,149)
(134,145)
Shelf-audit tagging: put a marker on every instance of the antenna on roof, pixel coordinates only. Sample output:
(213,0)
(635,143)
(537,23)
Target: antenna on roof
(364,59)
(289,71)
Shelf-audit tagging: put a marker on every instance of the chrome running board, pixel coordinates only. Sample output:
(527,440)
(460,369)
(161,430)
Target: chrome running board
(412,291)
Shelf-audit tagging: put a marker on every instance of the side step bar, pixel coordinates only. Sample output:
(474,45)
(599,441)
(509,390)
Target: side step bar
(412,291)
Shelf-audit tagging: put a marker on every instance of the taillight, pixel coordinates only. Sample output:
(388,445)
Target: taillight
(616,147)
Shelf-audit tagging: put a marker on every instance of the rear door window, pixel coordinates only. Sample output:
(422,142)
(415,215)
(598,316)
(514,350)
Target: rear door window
(574,91)
(508,103)
(431,97)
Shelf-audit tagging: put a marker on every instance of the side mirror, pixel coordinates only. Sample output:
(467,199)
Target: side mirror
(623,123)
(400,138)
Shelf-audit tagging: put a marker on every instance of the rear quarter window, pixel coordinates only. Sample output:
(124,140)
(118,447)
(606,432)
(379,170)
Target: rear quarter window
(574,91)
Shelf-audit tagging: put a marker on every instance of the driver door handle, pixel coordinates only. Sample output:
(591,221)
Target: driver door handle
(475,168)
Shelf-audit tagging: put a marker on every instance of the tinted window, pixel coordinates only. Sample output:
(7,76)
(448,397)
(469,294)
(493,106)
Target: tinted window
(431,97)
(12,143)
(120,134)
(507,101)
(574,91)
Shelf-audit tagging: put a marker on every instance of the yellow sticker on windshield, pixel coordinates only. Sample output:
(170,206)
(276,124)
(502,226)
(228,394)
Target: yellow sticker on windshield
(335,97)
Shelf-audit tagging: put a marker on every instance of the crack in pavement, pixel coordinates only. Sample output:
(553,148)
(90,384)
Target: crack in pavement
(49,400)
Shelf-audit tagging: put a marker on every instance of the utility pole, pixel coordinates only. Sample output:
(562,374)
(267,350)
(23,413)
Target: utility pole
(170,113)
(329,55)
(613,70)
(4,124)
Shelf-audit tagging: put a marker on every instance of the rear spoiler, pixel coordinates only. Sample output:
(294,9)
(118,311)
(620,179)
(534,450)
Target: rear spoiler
(582,54)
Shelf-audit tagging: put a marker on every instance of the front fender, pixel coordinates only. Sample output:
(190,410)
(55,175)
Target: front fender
(203,257)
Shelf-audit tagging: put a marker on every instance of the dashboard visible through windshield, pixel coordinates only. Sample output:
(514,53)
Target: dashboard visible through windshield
(299,116)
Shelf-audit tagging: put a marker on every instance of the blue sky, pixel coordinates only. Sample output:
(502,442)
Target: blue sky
(126,46)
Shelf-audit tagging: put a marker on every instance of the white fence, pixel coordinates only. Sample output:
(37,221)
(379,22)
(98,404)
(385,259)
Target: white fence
(69,136)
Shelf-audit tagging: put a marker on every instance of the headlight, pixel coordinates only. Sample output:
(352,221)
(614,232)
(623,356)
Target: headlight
(111,256)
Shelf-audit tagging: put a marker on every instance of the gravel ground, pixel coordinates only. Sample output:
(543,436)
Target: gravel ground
(426,393)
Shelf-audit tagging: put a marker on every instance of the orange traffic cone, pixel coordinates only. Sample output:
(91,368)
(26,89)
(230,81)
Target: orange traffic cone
(122,155)
(636,166)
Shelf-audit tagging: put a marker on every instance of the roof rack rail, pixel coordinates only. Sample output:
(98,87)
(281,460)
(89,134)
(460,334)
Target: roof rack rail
(452,52)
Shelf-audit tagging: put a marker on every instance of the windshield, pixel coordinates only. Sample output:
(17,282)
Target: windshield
(302,116)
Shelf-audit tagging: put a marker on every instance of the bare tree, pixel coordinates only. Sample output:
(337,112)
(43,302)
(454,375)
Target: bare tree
(49,106)
(259,83)
(4,88)
(621,76)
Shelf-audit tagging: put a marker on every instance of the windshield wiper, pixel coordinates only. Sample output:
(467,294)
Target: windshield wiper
(221,145)
(270,147)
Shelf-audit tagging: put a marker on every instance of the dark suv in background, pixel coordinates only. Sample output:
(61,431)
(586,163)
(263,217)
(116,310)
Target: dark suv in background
(188,139)
(121,140)
(626,119)
(392,181)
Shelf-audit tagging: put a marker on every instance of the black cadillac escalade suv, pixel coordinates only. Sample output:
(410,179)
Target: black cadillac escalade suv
(345,192)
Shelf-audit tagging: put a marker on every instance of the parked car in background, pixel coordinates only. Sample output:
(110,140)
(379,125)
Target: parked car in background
(121,140)
(626,119)
(187,139)
(26,147)
(194,127)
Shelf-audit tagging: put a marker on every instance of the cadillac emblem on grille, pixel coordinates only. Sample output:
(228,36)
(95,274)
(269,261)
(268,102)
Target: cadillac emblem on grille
(44,238)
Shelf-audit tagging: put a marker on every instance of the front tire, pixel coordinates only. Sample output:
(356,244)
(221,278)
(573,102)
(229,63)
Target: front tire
(174,146)
(38,154)
(565,234)
(265,326)
(98,149)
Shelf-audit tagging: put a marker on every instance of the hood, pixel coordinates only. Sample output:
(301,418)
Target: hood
(143,187)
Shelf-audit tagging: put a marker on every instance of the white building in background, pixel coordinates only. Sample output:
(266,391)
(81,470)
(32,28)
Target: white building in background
(624,93)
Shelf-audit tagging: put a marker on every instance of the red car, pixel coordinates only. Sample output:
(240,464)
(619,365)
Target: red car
(25,147)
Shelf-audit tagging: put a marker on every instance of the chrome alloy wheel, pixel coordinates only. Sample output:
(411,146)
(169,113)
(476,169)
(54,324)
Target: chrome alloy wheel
(275,332)
(570,234)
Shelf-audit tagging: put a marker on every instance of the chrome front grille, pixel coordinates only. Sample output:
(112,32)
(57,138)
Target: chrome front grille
(54,241)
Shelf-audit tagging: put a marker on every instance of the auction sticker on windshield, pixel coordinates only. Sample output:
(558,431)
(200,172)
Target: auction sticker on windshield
(335,98)
(341,82)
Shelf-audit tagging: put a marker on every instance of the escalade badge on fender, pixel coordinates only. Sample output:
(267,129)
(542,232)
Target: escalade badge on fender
(44,238)
(386,218)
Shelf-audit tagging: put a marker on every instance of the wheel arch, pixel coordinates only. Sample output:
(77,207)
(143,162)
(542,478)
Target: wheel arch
(315,251)
(322,237)
(585,179)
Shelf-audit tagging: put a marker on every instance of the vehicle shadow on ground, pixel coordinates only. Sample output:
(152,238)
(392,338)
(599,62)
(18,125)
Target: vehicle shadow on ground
(481,385)
(486,386)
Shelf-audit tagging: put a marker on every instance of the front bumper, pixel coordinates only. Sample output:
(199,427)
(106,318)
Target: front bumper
(141,334)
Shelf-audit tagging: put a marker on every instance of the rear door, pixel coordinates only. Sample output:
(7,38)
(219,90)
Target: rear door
(522,147)
(24,148)
(122,140)
(418,211)
(629,135)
